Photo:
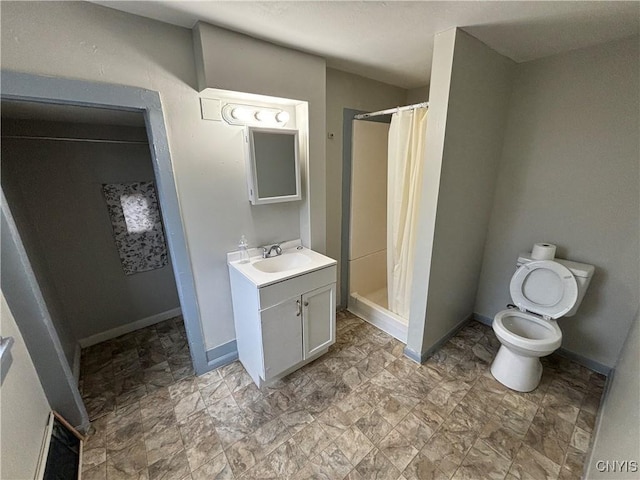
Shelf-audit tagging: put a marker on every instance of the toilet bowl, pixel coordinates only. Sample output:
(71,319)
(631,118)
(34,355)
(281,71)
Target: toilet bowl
(542,291)
(526,333)
(524,338)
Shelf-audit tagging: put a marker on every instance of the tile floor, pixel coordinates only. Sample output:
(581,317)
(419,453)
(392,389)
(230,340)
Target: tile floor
(363,411)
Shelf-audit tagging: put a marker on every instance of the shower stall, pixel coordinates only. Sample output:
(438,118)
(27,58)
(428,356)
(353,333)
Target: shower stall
(386,168)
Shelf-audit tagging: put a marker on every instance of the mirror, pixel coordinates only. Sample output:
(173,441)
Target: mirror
(273,170)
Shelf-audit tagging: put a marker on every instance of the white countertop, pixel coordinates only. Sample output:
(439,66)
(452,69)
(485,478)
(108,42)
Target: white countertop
(260,278)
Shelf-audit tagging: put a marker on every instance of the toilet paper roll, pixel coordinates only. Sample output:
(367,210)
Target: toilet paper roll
(543,251)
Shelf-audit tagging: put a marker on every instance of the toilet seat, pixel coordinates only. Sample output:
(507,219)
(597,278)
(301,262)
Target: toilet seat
(543,336)
(544,287)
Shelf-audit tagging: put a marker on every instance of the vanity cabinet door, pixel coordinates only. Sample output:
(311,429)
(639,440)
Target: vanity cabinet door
(319,319)
(281,336)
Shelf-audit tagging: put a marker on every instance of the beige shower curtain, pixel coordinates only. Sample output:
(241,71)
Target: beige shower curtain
(405,166)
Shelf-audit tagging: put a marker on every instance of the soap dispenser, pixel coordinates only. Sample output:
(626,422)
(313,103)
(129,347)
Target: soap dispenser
(243,246)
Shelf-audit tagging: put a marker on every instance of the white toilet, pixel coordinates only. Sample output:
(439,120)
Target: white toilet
(542,291)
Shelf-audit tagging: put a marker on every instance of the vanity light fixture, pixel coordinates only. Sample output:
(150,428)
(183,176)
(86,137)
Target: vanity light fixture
(236,114)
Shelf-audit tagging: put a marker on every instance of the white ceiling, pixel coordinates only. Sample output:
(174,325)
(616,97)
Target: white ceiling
(393,41)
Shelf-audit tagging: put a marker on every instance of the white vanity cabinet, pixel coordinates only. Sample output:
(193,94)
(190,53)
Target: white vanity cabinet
(283,325)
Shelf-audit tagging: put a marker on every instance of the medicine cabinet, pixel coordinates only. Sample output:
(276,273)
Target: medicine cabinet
(273,170)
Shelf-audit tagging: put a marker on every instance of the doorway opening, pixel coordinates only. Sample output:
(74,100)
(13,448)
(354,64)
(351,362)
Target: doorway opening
(99,126)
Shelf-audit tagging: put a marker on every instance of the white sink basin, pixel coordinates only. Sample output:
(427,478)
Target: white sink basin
(282,263)
(295,260)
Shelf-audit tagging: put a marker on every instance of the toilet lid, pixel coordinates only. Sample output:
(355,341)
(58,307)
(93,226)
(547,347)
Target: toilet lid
(544,287)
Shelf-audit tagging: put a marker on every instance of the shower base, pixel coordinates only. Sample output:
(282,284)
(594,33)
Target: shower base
(372,308)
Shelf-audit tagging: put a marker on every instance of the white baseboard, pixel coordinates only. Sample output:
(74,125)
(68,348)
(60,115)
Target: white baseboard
(129,327)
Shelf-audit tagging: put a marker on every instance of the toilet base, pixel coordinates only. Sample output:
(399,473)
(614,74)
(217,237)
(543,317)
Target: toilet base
(516,371)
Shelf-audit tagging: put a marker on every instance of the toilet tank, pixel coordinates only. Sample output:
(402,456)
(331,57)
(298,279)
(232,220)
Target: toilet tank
(581,271)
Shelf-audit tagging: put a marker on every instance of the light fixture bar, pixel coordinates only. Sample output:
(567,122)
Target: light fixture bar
(239,114)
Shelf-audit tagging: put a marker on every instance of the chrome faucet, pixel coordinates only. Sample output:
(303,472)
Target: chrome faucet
(266,251)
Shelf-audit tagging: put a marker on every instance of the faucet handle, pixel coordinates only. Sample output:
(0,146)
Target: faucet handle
(278,249)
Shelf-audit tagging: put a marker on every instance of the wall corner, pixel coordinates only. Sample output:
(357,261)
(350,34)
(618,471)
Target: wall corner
(198,53)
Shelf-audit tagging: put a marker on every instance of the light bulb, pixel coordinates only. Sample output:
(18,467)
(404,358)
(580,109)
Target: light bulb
(241,113)
(282,117)
(265,116)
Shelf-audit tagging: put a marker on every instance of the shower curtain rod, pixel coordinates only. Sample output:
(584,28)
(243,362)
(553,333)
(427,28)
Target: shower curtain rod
(71,139)
(362,116)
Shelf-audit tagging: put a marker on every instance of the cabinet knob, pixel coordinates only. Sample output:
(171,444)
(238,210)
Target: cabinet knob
(306,304)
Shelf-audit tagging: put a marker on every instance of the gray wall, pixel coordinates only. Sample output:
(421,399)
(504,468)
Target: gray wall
(618,431)
(346,90)
(20,288)
(89,42)
(41,269)
(24,405)
(418,95)
(470,86)
(54,189)
(569,176)
(267,69)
